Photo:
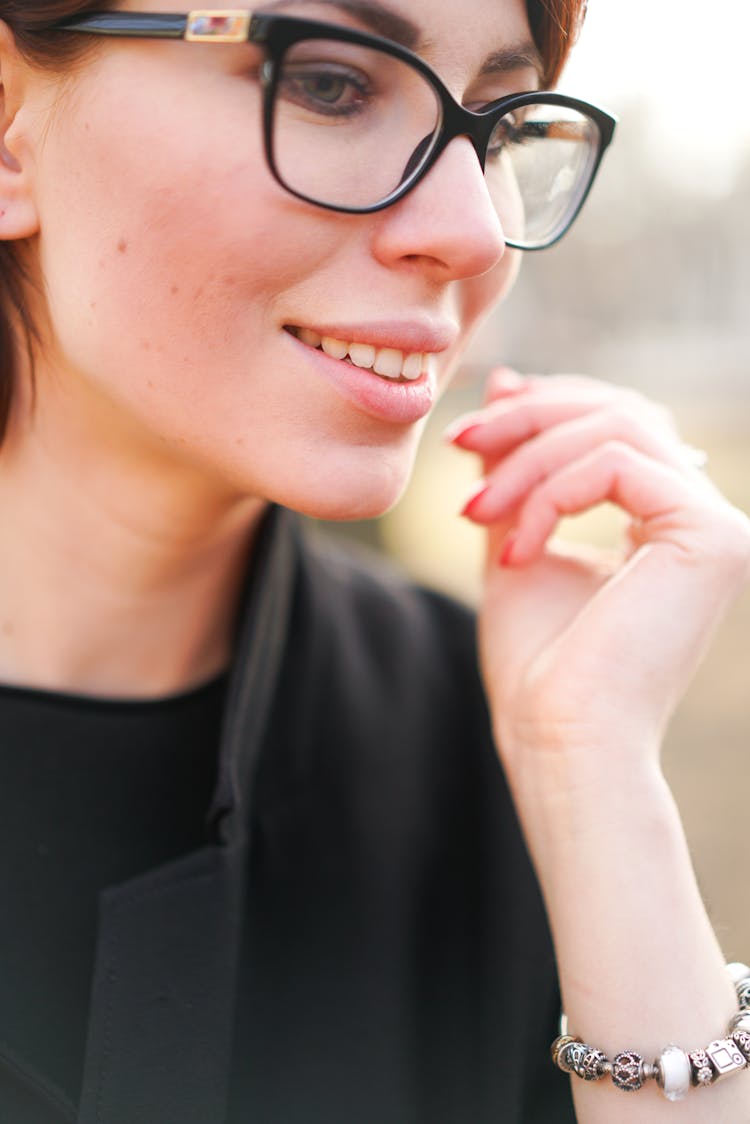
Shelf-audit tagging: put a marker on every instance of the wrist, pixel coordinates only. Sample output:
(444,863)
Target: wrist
(589,820)
(583,787)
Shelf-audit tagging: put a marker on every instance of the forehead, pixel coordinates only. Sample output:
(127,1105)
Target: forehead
(451,36)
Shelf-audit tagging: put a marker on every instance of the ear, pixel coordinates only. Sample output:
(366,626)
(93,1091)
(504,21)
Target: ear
(18,213)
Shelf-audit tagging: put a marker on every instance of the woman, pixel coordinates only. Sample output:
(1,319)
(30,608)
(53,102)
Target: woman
(259,859)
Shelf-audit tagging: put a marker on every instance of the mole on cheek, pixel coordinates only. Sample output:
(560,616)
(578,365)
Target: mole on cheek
(122,246)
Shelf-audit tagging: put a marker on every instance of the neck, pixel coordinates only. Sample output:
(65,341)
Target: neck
(119,575)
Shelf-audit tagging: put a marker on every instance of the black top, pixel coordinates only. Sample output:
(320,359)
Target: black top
(357,934)
(91,793)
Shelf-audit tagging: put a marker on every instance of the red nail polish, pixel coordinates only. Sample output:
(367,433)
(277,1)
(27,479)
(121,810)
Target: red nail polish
(465,436)
(506,556)
(479,492)
(453,436)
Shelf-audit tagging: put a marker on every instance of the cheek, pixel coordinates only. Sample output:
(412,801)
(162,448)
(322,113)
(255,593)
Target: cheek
(170,245)
(161,252)
(481,295)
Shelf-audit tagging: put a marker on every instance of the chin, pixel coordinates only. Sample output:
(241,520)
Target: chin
(348,495)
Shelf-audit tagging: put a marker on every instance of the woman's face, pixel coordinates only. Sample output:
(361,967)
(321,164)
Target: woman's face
(175,266)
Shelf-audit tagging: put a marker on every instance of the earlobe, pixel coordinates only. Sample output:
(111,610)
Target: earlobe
(18,214)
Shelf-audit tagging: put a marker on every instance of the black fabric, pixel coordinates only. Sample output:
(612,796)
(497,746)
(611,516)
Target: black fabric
(91,793)
(365,923)
(397,966)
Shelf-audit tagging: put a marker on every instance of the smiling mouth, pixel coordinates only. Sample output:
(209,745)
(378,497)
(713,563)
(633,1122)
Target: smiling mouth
(388,362)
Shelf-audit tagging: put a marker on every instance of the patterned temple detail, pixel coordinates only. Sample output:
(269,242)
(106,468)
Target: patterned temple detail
(218,27)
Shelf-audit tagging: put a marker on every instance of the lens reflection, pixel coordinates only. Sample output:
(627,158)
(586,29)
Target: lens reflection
(539,163)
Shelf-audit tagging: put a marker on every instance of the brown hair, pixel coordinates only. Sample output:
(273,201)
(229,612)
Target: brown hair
(554,25)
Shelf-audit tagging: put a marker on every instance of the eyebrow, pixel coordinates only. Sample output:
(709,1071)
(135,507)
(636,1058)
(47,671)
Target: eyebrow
(519,56)
(379,19)
(391,25)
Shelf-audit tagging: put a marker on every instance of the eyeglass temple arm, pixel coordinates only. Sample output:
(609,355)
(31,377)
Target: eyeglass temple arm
(156,25)
(220,26)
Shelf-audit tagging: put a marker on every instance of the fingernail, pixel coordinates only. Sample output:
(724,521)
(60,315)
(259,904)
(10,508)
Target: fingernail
(475,496)
(508,377)
(459,431)
(504,381)
(506,555)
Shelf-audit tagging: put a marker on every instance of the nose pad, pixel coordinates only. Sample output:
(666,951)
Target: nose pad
(416,157)
(478,143)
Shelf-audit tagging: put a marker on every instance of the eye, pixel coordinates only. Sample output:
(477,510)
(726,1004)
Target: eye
(509,131)
(327,89)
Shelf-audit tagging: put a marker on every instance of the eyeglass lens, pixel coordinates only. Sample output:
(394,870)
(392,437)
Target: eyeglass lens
(351,124)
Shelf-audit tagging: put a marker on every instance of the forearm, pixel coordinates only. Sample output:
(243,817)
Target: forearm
(640,966)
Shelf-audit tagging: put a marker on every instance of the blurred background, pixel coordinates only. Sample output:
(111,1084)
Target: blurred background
(651,289)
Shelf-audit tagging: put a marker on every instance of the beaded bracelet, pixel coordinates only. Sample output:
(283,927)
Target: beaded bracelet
(674,1070)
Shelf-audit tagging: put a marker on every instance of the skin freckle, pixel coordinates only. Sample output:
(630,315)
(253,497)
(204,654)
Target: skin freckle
(122,246)
(175,290)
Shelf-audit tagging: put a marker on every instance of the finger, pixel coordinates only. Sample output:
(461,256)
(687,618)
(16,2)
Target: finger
(656,494)
(493,431)
(503,381)
(534,460)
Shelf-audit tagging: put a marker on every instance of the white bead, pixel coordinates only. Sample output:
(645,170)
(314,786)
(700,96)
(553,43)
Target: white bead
(738,972)
(674,1073)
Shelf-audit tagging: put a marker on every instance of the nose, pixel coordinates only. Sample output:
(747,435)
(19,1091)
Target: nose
(448,221)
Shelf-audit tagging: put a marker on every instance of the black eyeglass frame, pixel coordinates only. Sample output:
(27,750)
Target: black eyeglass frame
(277,33)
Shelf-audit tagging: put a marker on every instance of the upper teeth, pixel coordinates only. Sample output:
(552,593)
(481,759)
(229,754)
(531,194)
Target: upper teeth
(386,361)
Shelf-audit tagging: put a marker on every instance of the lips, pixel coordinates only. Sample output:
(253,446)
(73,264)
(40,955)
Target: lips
(388,362)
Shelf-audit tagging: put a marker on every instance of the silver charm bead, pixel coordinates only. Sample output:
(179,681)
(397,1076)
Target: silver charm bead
(741,1039)
(743,994)
(725,1057)
(673,1073)
(576,1055)
(558,1049)
(740,1021)
(627,1071)
(594,1065)
(700,1068)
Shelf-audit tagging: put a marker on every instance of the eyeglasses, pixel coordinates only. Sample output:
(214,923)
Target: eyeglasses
(352,121)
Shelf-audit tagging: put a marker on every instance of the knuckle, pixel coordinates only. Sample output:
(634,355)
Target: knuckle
(726,542)
(649,410)
(616,452)
(622,420)
(737,543)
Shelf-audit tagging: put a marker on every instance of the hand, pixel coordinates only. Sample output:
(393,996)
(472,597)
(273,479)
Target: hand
(580,651)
